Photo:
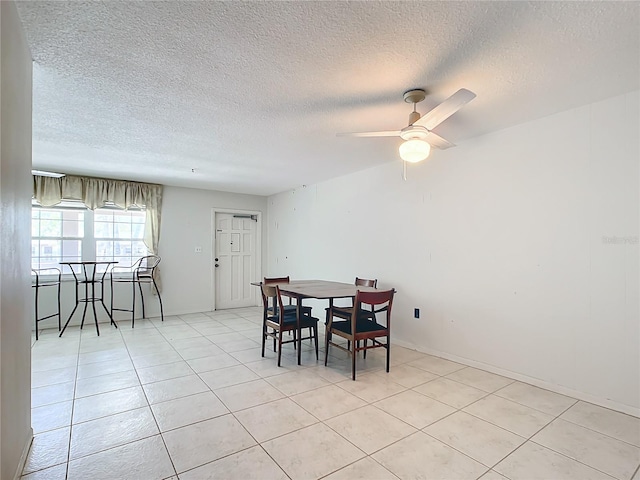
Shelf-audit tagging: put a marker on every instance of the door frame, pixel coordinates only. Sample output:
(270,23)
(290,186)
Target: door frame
(239,211)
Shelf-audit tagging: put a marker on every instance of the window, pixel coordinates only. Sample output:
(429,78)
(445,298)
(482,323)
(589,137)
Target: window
(118,235)
(69,232)
(56,236)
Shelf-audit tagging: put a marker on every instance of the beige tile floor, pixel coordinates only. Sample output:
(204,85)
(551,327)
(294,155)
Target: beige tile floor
(192,398)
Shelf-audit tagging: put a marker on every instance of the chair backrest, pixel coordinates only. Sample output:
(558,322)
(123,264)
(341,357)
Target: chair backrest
(276,280)
(365,282)
(146,266)
(380,301)
(36,272)
(267,292)
(272,292)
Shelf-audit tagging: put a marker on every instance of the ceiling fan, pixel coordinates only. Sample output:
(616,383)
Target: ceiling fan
(418,135)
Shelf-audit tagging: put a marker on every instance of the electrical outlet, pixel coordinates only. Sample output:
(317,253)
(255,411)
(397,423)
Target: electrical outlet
(198,249)
(416,313)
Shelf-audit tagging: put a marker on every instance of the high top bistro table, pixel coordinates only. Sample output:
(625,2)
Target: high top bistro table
(88,278)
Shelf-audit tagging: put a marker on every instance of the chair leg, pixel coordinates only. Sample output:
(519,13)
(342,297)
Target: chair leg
(327,336)
(315,336)
(299,332)
(133,306)
(388,353)
(59,317)
(111,283)
(264,337)
(37,288)
(353,361)
(141,299)
(364,355)
(279,346)
(159,299)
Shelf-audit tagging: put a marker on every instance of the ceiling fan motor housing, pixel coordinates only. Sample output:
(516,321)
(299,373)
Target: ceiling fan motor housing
(414,132)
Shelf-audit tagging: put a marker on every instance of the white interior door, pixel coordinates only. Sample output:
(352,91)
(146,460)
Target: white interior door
(235,260)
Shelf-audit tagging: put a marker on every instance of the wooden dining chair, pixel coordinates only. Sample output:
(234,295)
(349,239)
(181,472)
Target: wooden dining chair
(287,322)
(345,312)
(362,325)
(306,310)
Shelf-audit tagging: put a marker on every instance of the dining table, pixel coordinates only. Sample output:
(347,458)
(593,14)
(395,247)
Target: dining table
(87,274)
(316,289)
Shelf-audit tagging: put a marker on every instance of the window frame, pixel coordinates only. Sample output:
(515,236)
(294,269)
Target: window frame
(95,239)
(63,206)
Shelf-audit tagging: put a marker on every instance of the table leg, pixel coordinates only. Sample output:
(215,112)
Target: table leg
(69,319)
(327,333)
(88,279)
(86,297)
(104,274)
(84,312)
(93,304)
(74,308)
(299,318)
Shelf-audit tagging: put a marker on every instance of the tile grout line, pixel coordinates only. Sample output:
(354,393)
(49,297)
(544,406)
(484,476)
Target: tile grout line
(329,383)
(230,412)
(105,416)
(175,471)
(73,408)
(530,439)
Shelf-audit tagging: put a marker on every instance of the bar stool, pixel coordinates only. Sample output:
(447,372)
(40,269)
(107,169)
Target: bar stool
(54,281)
(140,272)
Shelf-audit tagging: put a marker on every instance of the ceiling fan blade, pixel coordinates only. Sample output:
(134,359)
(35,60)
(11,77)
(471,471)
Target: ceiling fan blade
(437,141)
(451,105)
(386,133)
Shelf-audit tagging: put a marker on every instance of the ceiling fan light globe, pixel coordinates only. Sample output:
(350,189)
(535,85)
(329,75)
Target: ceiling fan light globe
(414,150)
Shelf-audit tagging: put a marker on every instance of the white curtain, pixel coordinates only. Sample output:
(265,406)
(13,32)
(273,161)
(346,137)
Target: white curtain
(98,192)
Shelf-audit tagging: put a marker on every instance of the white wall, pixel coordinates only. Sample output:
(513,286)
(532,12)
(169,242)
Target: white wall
(501,244)
(15,233)
(186,223)
(187,280)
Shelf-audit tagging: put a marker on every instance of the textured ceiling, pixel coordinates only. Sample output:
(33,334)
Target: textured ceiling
(248,96)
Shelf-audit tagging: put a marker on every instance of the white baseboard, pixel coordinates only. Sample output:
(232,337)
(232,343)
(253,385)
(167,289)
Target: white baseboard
(603,402)
(23,456)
